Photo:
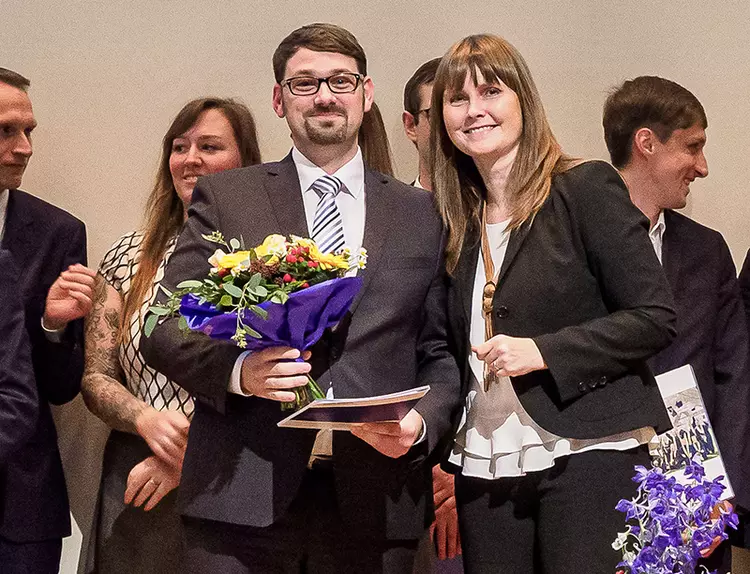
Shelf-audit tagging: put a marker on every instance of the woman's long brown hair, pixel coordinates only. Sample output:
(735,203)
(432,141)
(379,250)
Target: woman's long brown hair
(165,212)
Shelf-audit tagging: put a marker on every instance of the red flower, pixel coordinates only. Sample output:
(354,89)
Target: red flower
(305,285)
(291,258)
(223,272)
(287,278)
(312,264)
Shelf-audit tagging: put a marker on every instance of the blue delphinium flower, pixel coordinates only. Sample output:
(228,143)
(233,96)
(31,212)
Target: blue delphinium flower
(670,523)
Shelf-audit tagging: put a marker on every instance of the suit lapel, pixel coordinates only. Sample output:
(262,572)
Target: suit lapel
(285,195)
(378,218)
(465,273)
(671,250)
(517,237)
(18,237)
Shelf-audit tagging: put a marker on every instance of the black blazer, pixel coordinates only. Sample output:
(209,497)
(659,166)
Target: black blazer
(43,240)
(19,406)
(744,280)
(584,283)
(711,335)
(239,467)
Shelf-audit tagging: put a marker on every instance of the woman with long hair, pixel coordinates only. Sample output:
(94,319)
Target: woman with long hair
(557,299)
(149,414)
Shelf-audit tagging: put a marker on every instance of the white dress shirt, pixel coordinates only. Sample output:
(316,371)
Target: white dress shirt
(3,210)
(656,235)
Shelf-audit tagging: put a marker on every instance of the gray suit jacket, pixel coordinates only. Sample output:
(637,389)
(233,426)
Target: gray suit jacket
(239,467)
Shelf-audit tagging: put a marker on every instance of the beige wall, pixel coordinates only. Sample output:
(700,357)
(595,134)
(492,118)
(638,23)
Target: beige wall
(107,78)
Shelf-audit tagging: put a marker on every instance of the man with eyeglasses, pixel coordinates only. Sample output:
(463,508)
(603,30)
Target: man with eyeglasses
(416,117)
(256,498)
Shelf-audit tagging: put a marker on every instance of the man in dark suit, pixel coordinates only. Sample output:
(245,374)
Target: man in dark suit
(655,133)
(257,498)
(744,280)
(48,247)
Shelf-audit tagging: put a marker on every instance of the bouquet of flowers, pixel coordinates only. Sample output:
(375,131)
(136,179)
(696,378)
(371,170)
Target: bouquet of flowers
(284,292)
(671,523)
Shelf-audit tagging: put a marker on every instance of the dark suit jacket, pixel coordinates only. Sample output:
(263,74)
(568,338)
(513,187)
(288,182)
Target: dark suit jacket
(584,283)
(711,335)
(239,467)
(18,397)
(744,280)
(43,240)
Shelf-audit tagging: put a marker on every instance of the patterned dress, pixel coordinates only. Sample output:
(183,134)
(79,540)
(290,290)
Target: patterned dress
(125,539)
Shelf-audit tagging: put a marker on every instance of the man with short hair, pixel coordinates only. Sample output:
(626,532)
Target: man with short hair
(416,117)
(258,498)
(655,131)
(48,248)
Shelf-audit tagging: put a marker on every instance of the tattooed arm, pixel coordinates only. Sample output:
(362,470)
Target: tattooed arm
(106,396)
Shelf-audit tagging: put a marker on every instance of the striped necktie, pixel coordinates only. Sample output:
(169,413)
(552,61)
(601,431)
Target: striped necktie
(328,227)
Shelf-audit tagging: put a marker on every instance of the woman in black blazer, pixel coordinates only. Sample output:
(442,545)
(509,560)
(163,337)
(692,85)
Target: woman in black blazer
(557,299)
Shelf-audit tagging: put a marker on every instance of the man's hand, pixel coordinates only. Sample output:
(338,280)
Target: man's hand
(274,372)
(510,356)
(166,433)
(392,439)
(151,480)
(444,531)
(70,297)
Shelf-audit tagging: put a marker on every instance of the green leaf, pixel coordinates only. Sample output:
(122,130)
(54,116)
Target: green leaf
(259,291)
(249,331)
(254,281)
(151,321)
(159,311)
(183,324)
(190,284)
(279,297)
(233,290)
(234,244)
(226,301)
(259,311)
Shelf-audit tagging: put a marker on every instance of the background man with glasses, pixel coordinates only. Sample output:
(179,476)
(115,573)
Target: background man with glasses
(256,498)
(416,117)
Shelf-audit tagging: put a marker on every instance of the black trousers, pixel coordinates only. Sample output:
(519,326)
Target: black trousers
(30,557)
(310,539)
(560,520)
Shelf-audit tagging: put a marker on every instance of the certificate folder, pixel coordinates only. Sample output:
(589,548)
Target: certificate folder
(343,414)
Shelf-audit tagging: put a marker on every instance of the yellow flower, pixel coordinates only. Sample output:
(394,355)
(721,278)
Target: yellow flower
(231,260)
(216,257)
(327,261)
(272,245)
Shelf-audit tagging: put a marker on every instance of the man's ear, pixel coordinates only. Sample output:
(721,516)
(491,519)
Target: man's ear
(410,126)
(369,93)
(278,102)
(644,142)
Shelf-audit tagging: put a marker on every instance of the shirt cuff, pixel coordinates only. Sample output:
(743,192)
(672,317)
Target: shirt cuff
(234,380)
(53,335)
(422,436)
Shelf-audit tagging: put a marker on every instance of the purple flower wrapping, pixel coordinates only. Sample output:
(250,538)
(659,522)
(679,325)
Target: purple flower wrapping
(299,323)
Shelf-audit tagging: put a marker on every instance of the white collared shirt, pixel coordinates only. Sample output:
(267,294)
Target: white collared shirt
(350,201)
(656,234)
(418,183)
(4,194)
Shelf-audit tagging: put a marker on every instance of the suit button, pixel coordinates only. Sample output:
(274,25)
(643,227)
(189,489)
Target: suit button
(582,387)
(602,381)
(501,312)
(593,385)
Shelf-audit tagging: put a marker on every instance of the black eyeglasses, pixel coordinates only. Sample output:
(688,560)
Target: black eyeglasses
(341,83)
